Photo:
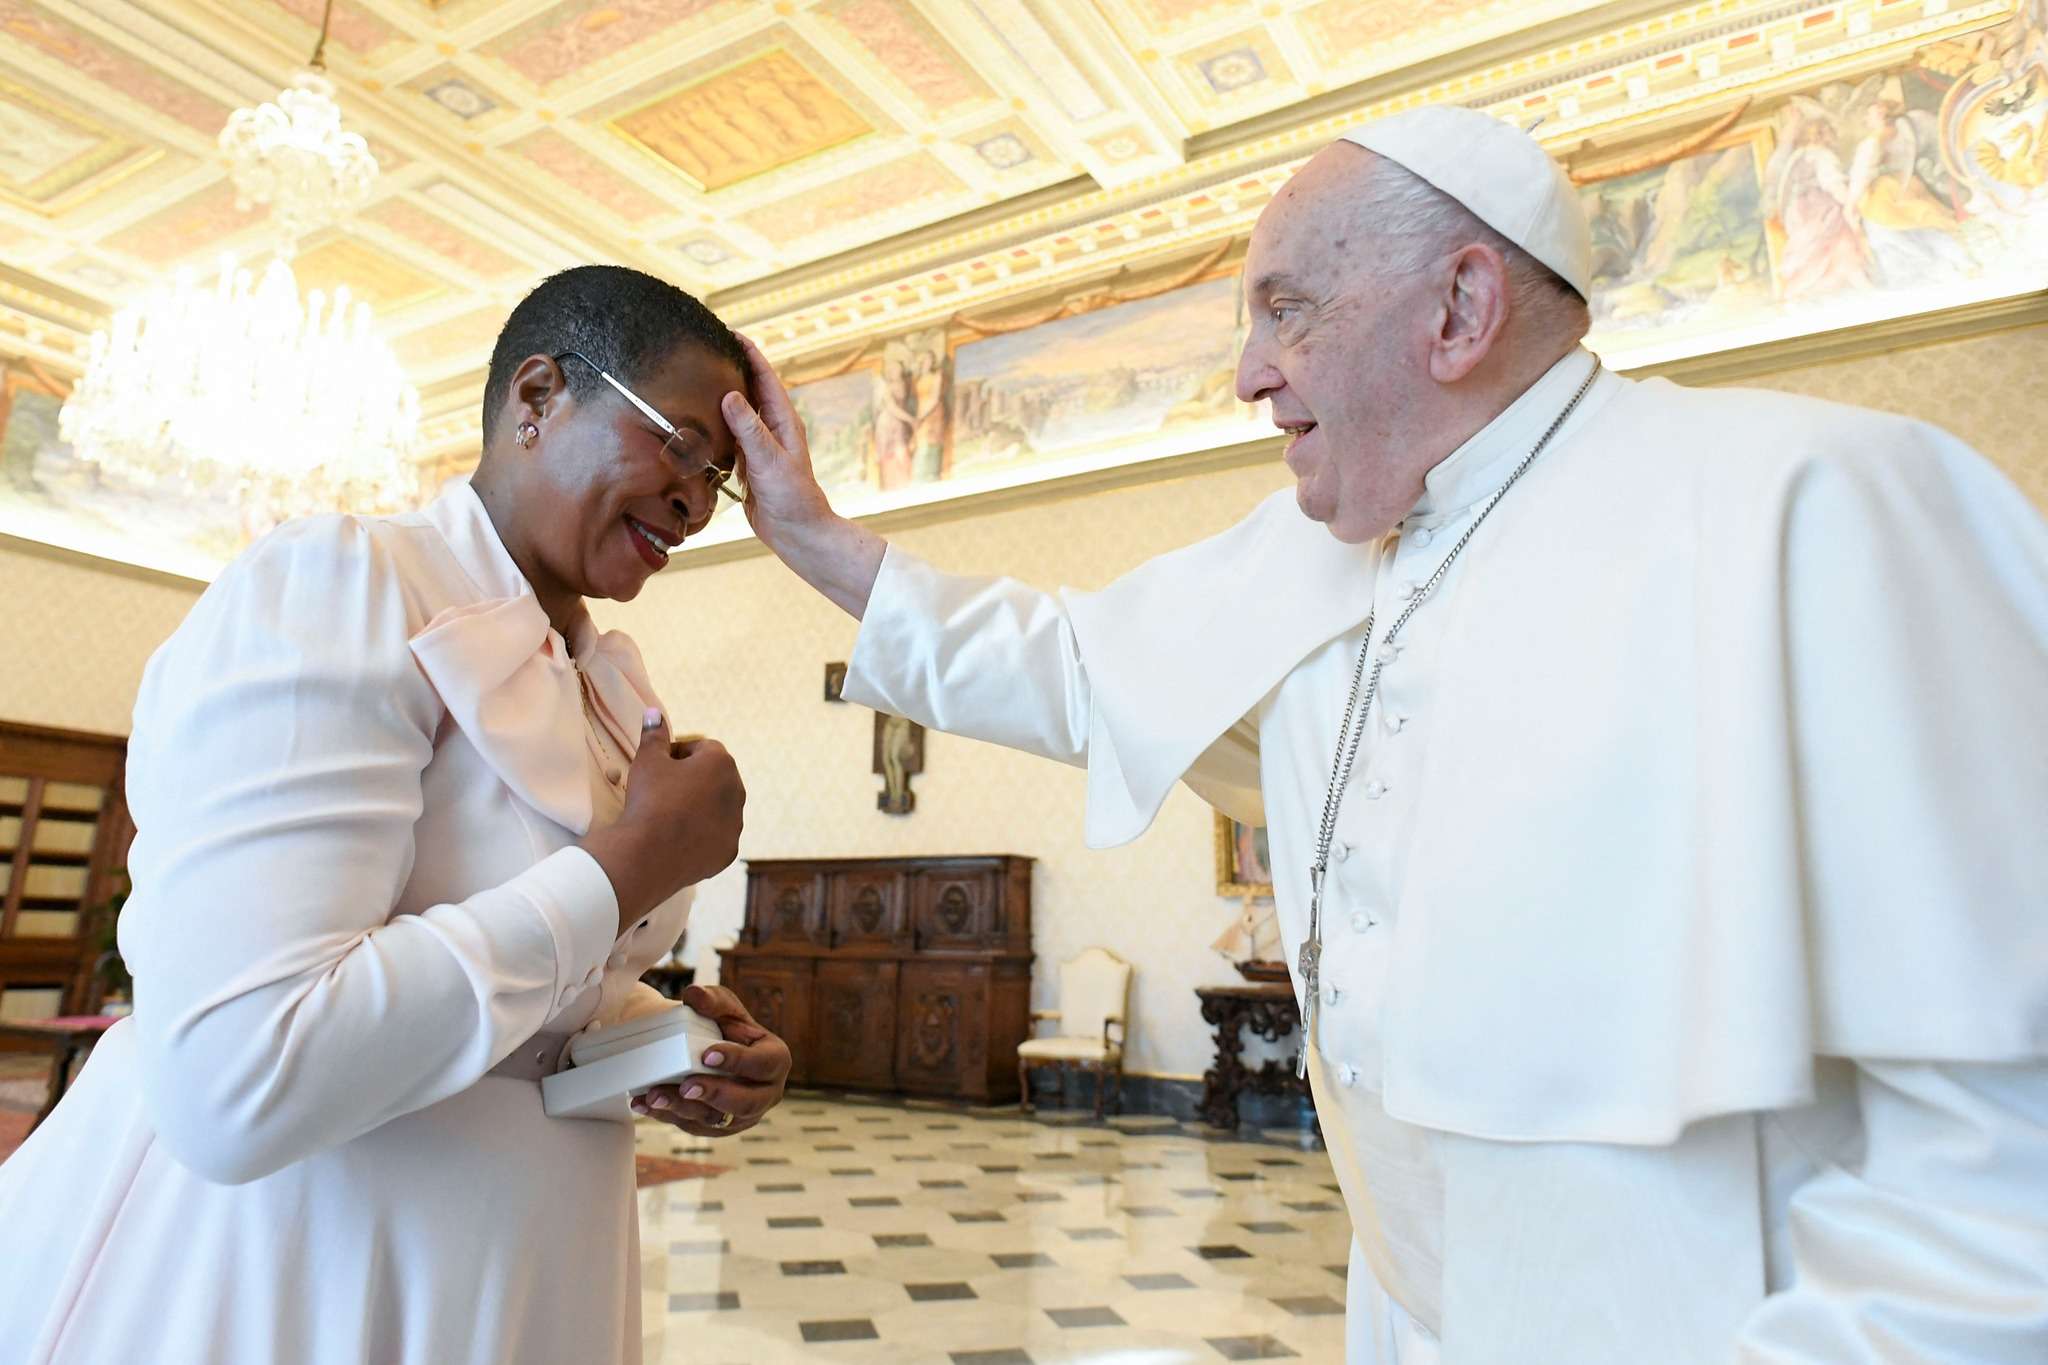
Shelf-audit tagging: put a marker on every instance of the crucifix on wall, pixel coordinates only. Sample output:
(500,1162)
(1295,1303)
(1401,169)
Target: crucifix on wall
(898,752)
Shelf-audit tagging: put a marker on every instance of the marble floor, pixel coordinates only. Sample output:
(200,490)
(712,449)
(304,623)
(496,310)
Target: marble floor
(859,1230)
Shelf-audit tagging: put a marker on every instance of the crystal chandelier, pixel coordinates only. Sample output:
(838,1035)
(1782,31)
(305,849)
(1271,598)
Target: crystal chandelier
(239,387)
(293,155)
(292,408)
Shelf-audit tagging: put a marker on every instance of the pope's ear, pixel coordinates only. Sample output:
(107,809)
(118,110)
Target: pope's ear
(1472,311)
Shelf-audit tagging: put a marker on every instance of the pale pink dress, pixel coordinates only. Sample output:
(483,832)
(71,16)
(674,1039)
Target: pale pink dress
(357,772)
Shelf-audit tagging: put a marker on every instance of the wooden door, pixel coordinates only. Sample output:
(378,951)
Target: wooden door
(942,1027)
(853,1028)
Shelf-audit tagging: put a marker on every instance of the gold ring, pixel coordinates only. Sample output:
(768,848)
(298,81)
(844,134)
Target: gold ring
(724,1121)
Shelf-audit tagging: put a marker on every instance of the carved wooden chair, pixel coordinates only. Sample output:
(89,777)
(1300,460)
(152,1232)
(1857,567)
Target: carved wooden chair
(1095,998)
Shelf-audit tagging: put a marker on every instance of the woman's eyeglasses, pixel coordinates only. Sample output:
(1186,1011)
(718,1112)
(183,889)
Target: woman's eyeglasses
(727,481)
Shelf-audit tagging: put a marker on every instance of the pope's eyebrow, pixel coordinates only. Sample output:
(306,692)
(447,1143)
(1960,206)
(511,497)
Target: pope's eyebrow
(1272,282)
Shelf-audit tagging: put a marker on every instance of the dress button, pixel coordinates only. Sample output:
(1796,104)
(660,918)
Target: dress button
(1396,724)
(1405,591)
(1332,994)
(1342,850)
(1347,1074)
(1375,790)
(1389,651)
(1423,535)
(1360,922)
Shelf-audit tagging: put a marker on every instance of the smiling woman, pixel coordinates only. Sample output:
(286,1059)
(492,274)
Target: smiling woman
(603,444)
(407,824)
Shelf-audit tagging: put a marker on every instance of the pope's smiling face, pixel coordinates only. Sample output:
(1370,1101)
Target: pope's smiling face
(1339,344)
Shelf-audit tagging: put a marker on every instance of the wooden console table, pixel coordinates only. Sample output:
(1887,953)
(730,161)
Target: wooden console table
(1268,1010)
(906,974)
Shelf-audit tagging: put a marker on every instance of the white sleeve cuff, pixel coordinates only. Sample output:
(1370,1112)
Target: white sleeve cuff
(575,898)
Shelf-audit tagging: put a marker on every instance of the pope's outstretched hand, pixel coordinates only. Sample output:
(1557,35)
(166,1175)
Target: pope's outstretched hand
(786,505)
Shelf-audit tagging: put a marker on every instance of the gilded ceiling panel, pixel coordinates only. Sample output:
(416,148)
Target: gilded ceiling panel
(200,221)
(572,39)
(899,188)
(40,32)
(437,235)
(379,279)
(767,112)
(590,177)
(909,51)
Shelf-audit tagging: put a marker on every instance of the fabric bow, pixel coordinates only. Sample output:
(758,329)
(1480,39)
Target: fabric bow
(510,686)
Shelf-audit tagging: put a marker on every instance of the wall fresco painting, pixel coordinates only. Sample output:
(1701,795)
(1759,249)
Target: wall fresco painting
(1914,188)
(1135,370)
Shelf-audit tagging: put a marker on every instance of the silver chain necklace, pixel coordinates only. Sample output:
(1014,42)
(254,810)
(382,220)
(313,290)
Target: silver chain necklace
(1358,706)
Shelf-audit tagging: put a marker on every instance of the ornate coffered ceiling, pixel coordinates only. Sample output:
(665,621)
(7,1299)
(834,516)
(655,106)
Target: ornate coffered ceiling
(821,170)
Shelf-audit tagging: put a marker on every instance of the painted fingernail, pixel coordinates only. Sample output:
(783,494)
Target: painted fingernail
(693,1092)
(650,718)
(714,1059)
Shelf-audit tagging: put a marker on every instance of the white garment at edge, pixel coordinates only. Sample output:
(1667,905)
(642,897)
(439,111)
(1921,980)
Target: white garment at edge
(1685,981)
(358,772)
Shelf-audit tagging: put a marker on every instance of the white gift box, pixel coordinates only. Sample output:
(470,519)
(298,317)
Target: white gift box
(610,1066)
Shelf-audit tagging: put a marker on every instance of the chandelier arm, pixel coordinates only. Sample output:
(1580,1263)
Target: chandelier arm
(319,62)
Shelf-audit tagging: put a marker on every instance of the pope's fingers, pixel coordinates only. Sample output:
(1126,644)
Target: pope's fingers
(777,411)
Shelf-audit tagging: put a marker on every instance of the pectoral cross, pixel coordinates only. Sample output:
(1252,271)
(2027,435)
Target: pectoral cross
(1309,968)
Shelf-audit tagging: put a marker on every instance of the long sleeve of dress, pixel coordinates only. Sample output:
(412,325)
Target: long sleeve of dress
(1932,1243)
(275,776)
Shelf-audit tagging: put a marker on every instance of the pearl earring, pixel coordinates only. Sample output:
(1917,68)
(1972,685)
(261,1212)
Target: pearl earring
(527,434)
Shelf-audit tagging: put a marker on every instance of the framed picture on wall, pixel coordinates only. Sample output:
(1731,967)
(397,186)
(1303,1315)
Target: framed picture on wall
(1243,863)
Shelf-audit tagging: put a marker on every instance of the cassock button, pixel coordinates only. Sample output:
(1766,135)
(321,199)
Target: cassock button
(1375,790)
(1389,651)
(1342,850)
(1347,1074)
(1423,535)
(1405,591)
(1396,724)
(1332,994)
(1360,922)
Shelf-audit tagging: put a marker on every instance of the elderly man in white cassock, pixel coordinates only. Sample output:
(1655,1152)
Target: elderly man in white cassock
(1655,779)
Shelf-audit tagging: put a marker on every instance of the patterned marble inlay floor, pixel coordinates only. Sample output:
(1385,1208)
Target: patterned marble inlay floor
(870,1232)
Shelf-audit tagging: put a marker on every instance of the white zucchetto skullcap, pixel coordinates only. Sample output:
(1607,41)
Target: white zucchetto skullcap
(1498,172)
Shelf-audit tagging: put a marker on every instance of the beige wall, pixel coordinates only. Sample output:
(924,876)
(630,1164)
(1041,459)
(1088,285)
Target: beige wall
(739,651)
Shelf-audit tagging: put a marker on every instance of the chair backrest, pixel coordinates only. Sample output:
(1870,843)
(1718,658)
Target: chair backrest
(1095,985)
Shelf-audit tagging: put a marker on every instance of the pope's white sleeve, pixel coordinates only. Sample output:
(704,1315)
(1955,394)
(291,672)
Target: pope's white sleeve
(275,778)
(1932,1243)
(989,658)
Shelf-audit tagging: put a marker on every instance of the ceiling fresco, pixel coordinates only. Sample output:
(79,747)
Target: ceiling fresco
(823,171)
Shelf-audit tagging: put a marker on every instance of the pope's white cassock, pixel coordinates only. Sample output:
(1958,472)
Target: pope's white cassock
(1685,966)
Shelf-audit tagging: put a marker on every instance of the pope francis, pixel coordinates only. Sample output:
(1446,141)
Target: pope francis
(1654,779)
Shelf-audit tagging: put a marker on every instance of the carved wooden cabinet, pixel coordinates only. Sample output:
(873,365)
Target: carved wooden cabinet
(909,974)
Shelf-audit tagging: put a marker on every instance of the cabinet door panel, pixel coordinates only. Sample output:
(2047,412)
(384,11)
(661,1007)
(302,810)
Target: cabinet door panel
(954,909)
(854,1028)
(788,908)
(943,1029)
(778,995)
(866,908)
